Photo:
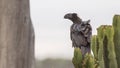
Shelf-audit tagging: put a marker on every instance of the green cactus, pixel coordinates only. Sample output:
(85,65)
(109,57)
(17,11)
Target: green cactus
(88,61)
(79,62)
(116,26)
(110,47)
(94,46)
(100,51)
(105,34)
(77,59)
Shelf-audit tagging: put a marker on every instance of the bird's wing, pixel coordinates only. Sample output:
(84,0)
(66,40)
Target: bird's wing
(77,36)
(88,32)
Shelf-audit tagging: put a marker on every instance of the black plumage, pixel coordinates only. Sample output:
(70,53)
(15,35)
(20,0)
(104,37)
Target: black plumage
(80,32)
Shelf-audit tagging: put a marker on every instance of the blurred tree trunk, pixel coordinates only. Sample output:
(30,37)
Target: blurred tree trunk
(16,35)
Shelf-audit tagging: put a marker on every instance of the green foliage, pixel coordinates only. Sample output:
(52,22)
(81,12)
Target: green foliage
(116,26)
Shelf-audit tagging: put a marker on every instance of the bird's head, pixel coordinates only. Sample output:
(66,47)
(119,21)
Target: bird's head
(70,16)
(73,17)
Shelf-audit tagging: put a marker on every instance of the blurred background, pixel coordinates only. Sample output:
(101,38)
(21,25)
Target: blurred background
(52,32)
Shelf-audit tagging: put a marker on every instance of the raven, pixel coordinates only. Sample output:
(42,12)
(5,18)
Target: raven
(80,32)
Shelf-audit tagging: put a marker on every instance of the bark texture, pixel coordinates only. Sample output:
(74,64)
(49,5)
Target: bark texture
(16,35)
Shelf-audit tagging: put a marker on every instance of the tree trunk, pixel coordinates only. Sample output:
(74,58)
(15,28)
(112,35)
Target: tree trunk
(16,35)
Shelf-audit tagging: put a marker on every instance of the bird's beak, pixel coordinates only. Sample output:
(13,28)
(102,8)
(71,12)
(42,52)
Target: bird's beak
(65,17)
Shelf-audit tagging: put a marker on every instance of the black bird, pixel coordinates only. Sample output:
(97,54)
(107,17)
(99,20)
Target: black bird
(80,32)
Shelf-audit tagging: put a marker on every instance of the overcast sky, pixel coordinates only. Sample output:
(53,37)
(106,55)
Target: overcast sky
(53,32)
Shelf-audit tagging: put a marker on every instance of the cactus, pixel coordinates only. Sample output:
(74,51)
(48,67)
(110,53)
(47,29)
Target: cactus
(94,46)
(116,26)
(100,51)
(109,45)
(79,62)
(77,59)
(88,61)
(105,34)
